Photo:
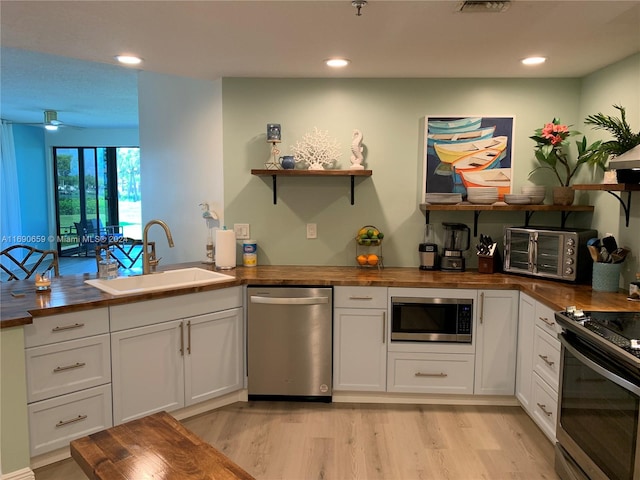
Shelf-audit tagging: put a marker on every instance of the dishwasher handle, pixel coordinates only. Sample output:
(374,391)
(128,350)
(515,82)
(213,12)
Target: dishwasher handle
(289,300)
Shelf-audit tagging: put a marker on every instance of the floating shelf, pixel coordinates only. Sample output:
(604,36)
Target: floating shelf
(274,174)
(503,207)
(612,188)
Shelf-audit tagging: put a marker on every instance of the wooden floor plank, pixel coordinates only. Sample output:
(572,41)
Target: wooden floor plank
(300,441)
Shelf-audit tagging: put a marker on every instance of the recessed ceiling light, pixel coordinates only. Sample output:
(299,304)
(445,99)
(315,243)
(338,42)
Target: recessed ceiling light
(533,60)
(337,62)
(128,59)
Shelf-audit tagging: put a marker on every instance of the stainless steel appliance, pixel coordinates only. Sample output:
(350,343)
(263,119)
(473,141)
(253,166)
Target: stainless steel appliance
(599,396)
(289,342)
(428,256)
(548,252)
(431,319)
(456,241)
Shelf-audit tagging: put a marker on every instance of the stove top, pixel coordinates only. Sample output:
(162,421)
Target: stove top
(617,332)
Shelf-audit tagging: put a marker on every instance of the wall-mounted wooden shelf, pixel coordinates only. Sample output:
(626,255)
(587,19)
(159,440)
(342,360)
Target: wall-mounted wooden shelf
(503,207)
(274,174)
(612,188)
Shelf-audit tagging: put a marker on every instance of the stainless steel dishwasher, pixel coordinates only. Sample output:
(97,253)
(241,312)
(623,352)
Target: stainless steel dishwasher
(289,343)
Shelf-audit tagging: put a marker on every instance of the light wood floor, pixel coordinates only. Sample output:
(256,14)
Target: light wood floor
(337,441)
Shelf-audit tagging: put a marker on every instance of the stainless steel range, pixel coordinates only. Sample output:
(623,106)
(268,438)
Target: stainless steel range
(599,395)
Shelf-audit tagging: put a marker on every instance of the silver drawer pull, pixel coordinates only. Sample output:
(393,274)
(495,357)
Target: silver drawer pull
(547,321)
(546,360)
(67,327)
(544,409)
(360,297)
(69,367)
(79,418)
(441,374)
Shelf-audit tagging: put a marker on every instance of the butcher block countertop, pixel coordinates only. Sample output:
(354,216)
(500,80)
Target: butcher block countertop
(20,303)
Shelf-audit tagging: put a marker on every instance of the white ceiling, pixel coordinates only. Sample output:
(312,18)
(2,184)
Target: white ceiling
(59,54)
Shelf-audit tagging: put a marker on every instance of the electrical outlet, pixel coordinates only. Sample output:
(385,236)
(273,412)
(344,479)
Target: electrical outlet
(312,230)
(242,231)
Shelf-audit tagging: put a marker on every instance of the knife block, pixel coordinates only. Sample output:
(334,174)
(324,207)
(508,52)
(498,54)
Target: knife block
(489,263)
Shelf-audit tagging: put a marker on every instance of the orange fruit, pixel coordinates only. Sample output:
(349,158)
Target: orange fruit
(362,259)
(372,259)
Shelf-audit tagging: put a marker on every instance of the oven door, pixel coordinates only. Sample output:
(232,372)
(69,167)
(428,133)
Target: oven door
(548,254)
(598,406)
(429,319)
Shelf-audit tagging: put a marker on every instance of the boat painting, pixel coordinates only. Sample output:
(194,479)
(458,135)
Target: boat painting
(478,134)
(450,153)
(495,177)
(471,140)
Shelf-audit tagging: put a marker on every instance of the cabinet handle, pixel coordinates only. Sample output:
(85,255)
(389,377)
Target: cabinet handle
(62,423)
(420,374)
(189,337)
(544,409)
(360,297)
(547,321)
(182,338)
(384,327)
(546,360)
(481,306)
(67,327)
(69,367)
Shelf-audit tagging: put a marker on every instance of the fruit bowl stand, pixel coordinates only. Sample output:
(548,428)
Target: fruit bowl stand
(368,249)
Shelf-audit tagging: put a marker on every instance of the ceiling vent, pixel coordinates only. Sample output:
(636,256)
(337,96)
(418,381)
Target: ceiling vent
(483,6)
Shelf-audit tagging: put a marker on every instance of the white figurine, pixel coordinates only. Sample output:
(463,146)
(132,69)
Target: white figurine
(356,151)
(316,150)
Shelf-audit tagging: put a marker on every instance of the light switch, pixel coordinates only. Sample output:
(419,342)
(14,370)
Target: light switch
(312,230)
(242,231)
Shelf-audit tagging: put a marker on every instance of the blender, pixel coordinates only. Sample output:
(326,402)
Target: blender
(428,253)
(456,241)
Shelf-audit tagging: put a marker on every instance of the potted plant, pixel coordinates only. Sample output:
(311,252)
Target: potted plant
(552,142)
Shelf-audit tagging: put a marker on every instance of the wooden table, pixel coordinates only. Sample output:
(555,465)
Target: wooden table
(156,446)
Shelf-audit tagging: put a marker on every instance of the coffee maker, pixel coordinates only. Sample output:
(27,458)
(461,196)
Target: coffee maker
(456,241)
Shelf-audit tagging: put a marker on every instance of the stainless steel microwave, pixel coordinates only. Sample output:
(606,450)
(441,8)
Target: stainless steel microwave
(431,319)
(548,252)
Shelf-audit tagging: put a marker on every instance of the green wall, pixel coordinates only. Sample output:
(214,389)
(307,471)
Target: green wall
(389,113)
(14,427)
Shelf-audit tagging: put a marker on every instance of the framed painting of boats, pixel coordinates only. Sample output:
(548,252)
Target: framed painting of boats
(463,151)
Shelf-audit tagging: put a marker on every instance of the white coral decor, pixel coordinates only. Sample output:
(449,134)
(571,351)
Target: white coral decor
(316,150)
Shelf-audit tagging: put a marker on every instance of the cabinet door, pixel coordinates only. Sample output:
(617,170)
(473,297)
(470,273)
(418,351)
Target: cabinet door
(496,336)
(147,369)
(360,349)
(524,369)
(213,363)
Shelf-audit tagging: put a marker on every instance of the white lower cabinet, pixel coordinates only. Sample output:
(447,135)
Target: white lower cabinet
(360,339)
(176,363)
(538,364)
(496,342)
(430,373)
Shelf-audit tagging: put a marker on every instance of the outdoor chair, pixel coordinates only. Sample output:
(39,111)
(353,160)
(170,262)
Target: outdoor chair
(19,262)
(93,233)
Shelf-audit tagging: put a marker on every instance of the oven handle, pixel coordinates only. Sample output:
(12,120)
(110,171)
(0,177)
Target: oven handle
(289,300)
(599,369)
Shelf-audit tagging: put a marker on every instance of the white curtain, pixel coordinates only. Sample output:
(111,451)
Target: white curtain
(10,222)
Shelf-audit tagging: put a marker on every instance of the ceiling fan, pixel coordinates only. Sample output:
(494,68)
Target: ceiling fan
(50,122)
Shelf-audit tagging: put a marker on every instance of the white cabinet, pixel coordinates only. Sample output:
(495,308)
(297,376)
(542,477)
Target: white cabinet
(496,340)
(538,364)
(439,373)
(68,378)
(524,365)
(166,364)
(360,339)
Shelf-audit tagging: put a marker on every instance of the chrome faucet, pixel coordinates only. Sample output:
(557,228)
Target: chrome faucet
(149,260)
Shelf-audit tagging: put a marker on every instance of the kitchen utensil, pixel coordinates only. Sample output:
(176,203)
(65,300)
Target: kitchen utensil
(604,255)
(594,252)
(594,241)
(619,254)
(609,242)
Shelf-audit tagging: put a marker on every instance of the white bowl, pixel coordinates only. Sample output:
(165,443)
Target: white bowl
(482,200)
(516,199)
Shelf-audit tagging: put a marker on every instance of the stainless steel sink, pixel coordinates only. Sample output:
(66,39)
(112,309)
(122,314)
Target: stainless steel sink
(185,277)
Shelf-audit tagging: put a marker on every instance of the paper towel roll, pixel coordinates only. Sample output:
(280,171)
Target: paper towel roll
(225,249)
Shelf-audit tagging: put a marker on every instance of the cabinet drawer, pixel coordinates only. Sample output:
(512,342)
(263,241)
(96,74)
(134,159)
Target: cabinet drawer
(54,423)
(430,373)
(546,320)
(545,407)
(67,367)
(66,326)
(546,358)
(360,297)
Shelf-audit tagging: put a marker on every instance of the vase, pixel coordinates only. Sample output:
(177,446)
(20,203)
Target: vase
(563,196)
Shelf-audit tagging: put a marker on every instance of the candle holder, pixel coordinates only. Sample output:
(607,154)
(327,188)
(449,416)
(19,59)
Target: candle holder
(43,282)
(274,136)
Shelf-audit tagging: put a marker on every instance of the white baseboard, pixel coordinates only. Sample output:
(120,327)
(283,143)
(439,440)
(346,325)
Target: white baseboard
(22,474)
(422,399)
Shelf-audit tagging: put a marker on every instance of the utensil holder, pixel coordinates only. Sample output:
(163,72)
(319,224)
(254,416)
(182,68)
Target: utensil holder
(489,263)
(606,277)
